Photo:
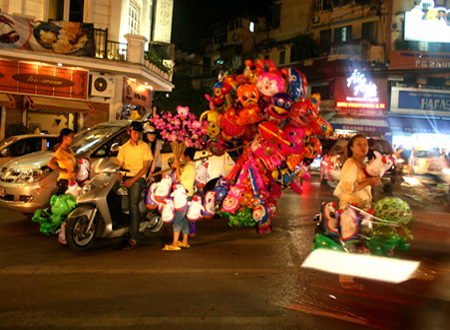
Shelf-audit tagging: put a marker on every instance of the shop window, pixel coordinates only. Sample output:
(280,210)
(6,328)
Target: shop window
(323,90)
(369,31)
(343,34)
(275,18)
(325,39)
(134,17)
(282,57)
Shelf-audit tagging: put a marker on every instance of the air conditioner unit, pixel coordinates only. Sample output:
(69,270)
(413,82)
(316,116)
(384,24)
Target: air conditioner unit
(102,85)
(397,24)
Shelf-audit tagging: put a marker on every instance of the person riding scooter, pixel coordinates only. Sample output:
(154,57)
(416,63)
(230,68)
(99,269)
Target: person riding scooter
(134,156)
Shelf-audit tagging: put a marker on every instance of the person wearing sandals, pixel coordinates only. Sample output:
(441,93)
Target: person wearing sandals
(64,161)
(186,176)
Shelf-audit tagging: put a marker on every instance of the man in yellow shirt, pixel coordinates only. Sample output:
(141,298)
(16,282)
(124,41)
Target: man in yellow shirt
(135,156)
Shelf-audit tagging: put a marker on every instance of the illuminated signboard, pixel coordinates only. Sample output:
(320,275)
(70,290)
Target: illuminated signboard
(357,92)
(427,23)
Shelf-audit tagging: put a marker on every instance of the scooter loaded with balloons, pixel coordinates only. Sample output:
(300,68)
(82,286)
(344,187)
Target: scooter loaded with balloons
(379,231)
(102,212)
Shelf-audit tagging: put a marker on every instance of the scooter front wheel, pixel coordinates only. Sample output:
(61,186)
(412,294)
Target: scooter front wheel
(155,225)
(79,236)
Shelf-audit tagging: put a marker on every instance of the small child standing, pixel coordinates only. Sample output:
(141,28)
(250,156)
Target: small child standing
(186,176)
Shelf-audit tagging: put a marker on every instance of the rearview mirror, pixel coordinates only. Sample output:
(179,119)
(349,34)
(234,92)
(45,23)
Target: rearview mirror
(5,152)
(115,147)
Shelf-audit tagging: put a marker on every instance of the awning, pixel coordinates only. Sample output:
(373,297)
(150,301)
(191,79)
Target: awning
(360,124)
(7,100)
(36,103)
(419,125)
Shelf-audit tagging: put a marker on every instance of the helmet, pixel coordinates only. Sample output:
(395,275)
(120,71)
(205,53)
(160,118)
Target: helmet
(393,209)
(136,126)
(149,129)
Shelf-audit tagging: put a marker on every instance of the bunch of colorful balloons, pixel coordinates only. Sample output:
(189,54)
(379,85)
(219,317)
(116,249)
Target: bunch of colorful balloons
(265,115)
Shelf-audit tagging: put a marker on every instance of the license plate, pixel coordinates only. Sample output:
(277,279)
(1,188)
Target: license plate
(2,192)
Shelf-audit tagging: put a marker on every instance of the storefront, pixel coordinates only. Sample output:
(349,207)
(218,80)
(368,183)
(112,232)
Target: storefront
(49,98)
(420,118)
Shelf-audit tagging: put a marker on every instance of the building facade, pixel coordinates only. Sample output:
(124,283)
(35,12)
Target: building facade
(67,63)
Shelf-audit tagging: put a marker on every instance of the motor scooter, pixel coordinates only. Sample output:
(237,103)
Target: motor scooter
(103,212)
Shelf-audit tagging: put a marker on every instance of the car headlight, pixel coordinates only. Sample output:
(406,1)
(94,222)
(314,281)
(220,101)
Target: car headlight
(33,175)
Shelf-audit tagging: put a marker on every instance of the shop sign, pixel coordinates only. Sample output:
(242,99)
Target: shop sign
(424,100)
(70,38)
(136,93)
(428,23)
(358,92)
(37,79)
(359,128)
(415,60)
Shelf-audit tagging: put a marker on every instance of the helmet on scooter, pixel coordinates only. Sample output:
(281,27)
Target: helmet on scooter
(393,209)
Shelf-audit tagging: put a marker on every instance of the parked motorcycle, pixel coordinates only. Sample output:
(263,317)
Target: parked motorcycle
(104,213)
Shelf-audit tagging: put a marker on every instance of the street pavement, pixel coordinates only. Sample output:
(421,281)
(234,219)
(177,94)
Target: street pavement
(231,278)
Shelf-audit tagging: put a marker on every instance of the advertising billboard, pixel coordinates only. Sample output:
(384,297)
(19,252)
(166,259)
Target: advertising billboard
(428,23)
(359,91)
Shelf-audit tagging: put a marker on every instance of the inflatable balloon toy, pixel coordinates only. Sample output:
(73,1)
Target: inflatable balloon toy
(167,210)
(164,188)
(202,175)
(195,208)
(270,83)
(268,153)
(297,85)
(278,108)
(294,135)
(249,114)
(328,222)
(348,224)
(211,116)
(74,189)
(227,122)
(84,171)
(247,94)
(249,75)
(312,148)
(209,205)
(319,126)
(150,200)
(379,165)
(180,199)
(302,114)
(52,217)
(231,202)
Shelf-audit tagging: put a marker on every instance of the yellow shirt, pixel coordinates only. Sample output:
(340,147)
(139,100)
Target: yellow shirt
(133,157)
(188,177)
(66,159)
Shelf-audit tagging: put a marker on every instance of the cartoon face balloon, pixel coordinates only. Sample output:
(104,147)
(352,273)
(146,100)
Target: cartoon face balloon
(250,114)
(313,148)
(270,83)
(302,114)
(297,84)
(295,136)
(227,122)
(247,94)
(279,107)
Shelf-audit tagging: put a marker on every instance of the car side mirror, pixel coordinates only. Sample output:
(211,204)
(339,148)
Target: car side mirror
(5,152)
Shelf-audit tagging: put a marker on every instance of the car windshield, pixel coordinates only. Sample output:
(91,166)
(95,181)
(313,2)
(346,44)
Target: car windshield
(381,146)
(91,138)
(7,140)
(425,153)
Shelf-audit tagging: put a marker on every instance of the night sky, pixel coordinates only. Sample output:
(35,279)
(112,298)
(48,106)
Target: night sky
(192,18)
